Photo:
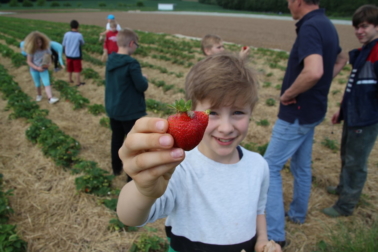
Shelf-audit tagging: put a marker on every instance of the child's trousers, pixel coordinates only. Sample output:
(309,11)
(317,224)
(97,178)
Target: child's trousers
(119,131)
(38,76)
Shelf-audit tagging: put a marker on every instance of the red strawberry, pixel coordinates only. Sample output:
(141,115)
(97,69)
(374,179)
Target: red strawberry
(187,127)
(245,48)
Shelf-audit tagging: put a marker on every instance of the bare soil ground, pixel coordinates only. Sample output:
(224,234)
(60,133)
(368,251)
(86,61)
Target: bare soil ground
(51,216)
(275,34)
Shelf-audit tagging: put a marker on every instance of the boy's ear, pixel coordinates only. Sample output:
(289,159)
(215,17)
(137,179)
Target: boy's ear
(207,51)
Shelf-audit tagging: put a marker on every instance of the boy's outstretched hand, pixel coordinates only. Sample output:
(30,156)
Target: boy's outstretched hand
(244,52)
(148,157)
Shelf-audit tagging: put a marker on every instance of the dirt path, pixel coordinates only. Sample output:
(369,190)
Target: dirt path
(277,34)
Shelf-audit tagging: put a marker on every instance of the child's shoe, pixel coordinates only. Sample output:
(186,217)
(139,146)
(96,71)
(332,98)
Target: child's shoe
(53,100)
(331,212)
(39,98)
(57,69)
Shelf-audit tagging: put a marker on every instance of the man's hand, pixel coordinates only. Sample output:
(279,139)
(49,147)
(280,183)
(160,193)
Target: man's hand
(286,99)
(335,118)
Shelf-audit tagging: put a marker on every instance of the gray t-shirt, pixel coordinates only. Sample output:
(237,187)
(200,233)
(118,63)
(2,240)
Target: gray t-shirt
(214,203)
(37,57)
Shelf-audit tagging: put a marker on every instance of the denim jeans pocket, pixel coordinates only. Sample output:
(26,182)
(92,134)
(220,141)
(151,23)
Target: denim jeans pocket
(286,131)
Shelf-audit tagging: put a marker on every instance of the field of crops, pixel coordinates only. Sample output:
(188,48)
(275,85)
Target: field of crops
(56,158)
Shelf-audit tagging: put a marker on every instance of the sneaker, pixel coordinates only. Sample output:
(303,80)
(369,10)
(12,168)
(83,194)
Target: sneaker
(57,69)
(332,190)
(39,98)
(53,100)
(295,221)
(331,212)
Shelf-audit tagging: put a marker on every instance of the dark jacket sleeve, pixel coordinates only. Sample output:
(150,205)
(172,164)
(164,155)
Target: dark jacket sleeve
(139,81)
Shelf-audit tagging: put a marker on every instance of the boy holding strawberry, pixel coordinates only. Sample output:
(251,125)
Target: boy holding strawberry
(214,195)
(212,44)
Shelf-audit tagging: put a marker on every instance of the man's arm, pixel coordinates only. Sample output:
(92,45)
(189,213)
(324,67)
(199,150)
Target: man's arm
(310,75)
(341,60)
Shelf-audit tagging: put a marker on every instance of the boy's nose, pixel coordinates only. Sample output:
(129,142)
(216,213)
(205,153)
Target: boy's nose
(225,126)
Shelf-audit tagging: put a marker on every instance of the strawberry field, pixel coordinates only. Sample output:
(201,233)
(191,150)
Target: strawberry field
(56,158)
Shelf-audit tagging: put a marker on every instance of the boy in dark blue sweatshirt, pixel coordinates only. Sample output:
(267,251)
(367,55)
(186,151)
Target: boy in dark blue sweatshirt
(359,111)
(124,92)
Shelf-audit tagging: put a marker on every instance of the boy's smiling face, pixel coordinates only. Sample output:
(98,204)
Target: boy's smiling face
(366,32)
(228,126)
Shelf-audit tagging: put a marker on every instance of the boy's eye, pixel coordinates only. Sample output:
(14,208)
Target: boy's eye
(212,113)
(239,113)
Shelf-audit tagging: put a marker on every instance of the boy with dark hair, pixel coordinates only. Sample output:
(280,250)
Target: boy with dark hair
(124,92)
(359,112)
(214,199)
(72,43)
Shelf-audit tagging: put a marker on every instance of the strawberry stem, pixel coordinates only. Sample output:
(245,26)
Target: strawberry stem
(181,106)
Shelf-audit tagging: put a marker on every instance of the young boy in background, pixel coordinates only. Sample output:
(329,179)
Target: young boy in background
(359,112)
(214,199)
(110,43)
(212,44)
(124,92)
(72,43)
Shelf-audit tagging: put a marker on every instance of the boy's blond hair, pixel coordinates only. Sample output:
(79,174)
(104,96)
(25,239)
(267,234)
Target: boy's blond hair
(113,24)
(209,41)
(30,44)
(224,79)
(125,36)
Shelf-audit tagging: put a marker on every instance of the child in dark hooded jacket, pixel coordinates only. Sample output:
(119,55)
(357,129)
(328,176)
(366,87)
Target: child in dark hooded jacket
(124,92)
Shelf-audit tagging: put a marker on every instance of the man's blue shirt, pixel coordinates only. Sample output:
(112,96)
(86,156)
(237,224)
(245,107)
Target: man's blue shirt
(315,35)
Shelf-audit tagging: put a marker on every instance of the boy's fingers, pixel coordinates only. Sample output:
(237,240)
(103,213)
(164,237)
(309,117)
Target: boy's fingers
(150,125)
(157,162)
(138,142)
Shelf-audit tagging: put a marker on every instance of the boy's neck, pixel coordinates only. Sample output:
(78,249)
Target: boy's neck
(123,50)
(74,30)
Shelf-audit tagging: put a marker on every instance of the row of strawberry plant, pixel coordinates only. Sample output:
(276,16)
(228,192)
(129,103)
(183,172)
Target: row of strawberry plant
(16,57)
(55,144)
(88,48)
(92,45)
(9,240)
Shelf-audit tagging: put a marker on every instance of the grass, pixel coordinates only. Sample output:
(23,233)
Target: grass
(351,237)
(330,144)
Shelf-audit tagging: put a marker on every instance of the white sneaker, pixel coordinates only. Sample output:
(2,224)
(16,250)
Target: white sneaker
(53,100)
(57,69)
(39,98)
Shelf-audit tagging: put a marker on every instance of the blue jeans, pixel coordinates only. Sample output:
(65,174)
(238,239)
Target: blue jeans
(356,145)
(36,75)
(289,140)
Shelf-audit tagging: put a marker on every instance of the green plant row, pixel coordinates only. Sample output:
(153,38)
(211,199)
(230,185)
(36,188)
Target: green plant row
(17,58)
(56,33)
(55,144)
(9,240)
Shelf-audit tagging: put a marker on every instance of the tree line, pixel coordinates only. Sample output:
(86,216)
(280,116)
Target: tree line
(341,8)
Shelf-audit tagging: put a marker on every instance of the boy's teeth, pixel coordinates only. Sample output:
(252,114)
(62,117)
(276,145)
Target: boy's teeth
(224,140)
